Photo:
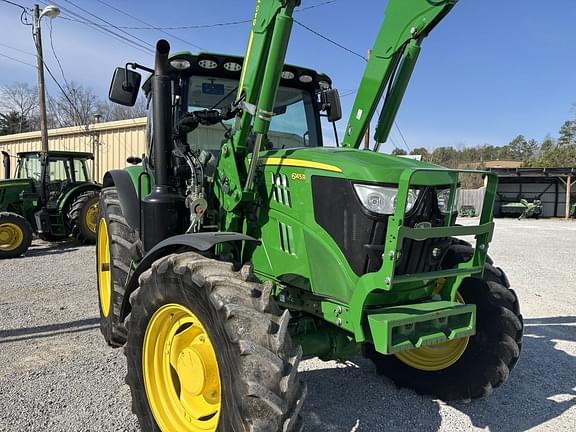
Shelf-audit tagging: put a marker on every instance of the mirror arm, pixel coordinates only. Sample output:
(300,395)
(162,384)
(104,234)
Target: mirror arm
(134,66)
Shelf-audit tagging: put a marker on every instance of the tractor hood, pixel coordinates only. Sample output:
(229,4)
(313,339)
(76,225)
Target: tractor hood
(354,164)
(11,190)
(15,183)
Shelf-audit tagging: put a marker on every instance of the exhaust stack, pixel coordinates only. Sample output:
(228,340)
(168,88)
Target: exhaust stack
(162,102)
(163,211)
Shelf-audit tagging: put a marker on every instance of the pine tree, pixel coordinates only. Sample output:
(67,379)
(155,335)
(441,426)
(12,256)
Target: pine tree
(567,133)
(12,123)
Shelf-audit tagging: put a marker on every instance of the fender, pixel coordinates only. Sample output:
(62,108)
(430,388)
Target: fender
(75,191)
(126,186)
(201,242)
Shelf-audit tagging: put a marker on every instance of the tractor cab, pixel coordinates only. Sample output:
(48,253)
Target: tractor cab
(208,81)
(57,175)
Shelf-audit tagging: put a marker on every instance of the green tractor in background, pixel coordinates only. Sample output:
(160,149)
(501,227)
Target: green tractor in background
(52,196)
(241,244)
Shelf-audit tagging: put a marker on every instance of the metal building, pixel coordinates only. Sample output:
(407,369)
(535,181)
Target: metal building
(110,142)
(553,186)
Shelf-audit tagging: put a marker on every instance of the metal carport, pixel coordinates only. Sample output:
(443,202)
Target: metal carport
(553,186)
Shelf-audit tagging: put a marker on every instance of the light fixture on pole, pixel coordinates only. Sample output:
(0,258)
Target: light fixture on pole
(51,12)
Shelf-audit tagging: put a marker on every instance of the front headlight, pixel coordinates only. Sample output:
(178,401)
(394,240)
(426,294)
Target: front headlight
(381,199)
(443,199)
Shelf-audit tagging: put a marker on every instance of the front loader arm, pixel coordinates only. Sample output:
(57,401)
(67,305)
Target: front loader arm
(394,56)
(263,64)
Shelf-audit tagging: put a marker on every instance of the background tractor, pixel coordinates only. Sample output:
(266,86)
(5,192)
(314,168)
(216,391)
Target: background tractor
(240,244)
(51,195)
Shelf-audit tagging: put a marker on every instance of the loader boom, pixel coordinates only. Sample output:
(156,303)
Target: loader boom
(263,63)
(391,64)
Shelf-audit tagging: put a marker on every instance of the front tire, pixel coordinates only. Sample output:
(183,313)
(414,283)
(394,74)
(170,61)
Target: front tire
(114,251)
(489,356)
(244,370)
(82,217)
(15,235)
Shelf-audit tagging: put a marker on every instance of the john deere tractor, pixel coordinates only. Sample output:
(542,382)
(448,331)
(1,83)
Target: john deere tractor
(240,244)
(52,195)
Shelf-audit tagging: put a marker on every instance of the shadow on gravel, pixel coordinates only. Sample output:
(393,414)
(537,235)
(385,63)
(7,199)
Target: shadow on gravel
(45,248)
(49,330)
(541,388)
(355,399)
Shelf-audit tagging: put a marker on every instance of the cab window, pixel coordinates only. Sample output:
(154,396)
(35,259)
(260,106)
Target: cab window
(58,170)
(80,171)
(294,123)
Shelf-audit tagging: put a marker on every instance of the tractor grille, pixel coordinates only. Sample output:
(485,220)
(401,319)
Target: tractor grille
(360,234)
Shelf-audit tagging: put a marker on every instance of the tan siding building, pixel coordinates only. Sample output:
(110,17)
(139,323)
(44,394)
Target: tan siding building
(111,143)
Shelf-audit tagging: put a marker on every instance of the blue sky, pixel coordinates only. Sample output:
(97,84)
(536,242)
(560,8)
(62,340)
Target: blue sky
(491,70)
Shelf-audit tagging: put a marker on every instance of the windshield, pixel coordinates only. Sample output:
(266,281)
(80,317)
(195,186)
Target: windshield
(293,125)
(58,169)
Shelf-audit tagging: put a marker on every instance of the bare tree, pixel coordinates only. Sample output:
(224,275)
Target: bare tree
(22,99)
(111,111)
(75,108)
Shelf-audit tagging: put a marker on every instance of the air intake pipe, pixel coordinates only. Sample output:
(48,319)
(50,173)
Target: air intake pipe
(163,211)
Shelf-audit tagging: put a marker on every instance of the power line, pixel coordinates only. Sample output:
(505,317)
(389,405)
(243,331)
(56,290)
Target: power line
(17,49)
(23,15)
(144,22)
(16,60)
(192,27)
(198,26)
(102,29)
(402,136)
(56,56)
(326,38)
(72,104)
(15,4)
(109,23)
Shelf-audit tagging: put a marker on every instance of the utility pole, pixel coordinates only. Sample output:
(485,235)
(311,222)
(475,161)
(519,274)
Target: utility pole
(96,150)
(41,85)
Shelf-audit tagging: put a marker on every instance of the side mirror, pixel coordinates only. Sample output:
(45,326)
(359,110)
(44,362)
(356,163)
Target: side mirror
(6,163)
(125,86)
(330,100)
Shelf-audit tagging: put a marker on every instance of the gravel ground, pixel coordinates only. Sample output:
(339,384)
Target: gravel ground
(57,374)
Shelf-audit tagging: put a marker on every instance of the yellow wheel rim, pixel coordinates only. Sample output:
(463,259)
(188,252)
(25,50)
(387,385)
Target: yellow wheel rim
(435,357)
(91,216)
(180,370)
(11,237)
(103,266)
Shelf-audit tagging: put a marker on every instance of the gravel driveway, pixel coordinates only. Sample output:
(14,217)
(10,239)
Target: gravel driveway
(57,374)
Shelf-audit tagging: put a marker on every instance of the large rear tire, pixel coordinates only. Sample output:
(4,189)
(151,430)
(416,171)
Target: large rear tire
(82,217)
(208,350)
(488,357)
(15,235)
(114,251)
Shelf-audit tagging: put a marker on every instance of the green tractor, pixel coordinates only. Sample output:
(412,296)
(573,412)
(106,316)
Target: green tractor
(52,196)
(240,244)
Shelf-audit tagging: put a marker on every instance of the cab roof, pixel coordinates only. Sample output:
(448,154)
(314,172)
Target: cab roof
(57,153)
(220,60)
